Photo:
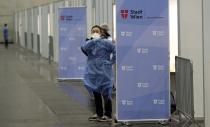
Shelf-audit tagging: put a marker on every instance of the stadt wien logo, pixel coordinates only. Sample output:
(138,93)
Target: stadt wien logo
(124,14)
(132,14)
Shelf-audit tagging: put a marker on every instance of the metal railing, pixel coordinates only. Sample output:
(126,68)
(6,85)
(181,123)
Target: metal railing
(184,91)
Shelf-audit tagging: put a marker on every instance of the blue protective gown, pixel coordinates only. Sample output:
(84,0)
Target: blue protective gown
(5,33)
(98,75)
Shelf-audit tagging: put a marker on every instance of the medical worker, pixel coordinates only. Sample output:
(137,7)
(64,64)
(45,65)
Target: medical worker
(5,35)
(98,77)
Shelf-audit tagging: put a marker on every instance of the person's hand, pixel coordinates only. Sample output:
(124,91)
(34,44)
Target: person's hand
(113,41)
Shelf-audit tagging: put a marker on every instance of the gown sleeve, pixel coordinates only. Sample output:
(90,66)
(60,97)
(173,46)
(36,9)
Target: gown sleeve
(86,48)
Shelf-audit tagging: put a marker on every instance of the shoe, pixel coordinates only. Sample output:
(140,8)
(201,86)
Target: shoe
(113,90)
(95,117)
(105,119)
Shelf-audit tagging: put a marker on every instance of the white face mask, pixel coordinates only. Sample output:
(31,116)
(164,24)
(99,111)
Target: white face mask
(95,36)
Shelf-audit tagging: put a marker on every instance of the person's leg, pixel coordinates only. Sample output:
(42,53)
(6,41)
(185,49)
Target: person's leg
(98,107)
(108,110)
(98,104)
(6,43)
(108,106)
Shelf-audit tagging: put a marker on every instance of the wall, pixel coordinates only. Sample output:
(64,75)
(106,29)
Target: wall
(206,30)
(190,46)
(103,10)
(6,16)
(23,4)
(8,8)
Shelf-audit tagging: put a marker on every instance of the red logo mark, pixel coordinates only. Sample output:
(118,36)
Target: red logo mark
(124,14)
(62,18)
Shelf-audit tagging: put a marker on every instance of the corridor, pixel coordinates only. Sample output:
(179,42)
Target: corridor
(31,96)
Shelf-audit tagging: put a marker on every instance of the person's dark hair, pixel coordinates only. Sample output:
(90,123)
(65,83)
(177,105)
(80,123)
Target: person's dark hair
(106,34)
(5,24)
(97,26)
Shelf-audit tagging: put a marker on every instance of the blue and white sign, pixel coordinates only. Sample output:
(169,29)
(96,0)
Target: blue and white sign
(142,60)
(72,35)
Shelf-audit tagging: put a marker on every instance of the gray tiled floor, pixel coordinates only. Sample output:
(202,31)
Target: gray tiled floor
(30,95)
